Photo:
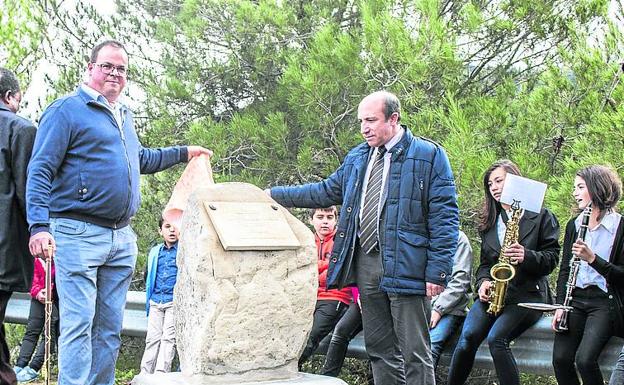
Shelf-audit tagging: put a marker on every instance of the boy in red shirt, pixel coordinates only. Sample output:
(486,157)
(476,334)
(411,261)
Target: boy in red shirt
(330,304)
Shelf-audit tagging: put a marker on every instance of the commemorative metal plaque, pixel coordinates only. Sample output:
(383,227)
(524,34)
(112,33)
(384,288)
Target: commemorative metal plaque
(251,226)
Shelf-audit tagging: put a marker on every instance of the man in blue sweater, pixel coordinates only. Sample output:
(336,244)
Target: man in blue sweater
(82,190)
(397,234)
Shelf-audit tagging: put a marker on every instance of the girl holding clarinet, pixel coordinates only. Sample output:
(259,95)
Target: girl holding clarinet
(593,283)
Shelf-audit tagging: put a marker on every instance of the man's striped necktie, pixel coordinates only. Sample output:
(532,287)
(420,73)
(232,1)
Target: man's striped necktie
(368,224)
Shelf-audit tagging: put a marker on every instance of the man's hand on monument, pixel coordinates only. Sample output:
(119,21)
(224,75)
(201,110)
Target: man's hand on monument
(39,245)
(194,151)
(433,289)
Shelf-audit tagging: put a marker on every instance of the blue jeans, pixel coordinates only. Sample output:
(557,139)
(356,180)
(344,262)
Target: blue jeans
(94,267)
(441,333)
(500,331)
(617,377)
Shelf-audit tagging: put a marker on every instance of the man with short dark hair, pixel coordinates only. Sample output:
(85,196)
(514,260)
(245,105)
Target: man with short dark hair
(16,264)
(396,236)
(82,191)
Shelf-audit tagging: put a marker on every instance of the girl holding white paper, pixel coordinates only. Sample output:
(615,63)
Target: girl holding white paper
(534,256)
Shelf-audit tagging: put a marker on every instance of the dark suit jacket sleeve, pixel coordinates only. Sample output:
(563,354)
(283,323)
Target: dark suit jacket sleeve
(564,269)
(544,259)
(485,264)
(614,274)
(21,149)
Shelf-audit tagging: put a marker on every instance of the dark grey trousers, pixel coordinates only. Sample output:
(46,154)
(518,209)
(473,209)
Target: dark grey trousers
(396,328)
(7,375)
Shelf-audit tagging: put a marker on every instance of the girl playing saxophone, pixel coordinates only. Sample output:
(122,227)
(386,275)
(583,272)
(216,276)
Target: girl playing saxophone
(534,254)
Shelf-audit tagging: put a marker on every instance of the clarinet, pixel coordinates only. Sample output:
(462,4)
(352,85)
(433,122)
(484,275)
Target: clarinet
(575,264)
(48,316)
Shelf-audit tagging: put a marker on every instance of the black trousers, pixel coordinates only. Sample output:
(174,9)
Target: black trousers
(326,316)
(500,331)
(34,329)
(7,375)
(590,328)
(348,327)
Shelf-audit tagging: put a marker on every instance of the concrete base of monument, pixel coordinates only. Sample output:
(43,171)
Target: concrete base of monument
(177,378)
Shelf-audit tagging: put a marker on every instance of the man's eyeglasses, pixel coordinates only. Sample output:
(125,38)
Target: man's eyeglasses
(107,69)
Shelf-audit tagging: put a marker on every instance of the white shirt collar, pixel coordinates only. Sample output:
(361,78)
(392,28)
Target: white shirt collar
(99,97)
(610,221)
(395,139)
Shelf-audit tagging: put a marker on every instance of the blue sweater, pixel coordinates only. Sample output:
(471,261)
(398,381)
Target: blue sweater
(85,166)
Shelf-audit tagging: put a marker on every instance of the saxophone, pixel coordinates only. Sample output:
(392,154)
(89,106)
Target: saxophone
(575,264)
(503,271)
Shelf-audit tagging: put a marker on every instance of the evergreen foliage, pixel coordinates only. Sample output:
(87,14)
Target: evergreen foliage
(22,26)
(273,87)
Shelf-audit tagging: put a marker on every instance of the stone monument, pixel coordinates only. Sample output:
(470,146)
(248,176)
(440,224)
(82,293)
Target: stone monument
(245,293)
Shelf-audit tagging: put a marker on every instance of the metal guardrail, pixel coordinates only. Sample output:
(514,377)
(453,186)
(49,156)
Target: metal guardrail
(134,322)
(532,350)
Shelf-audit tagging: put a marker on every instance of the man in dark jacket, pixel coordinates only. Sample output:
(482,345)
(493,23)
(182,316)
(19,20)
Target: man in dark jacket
(82,190)
(396,236)
(16,264)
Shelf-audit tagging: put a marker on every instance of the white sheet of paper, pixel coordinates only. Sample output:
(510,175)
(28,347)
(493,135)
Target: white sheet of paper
(530,193)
